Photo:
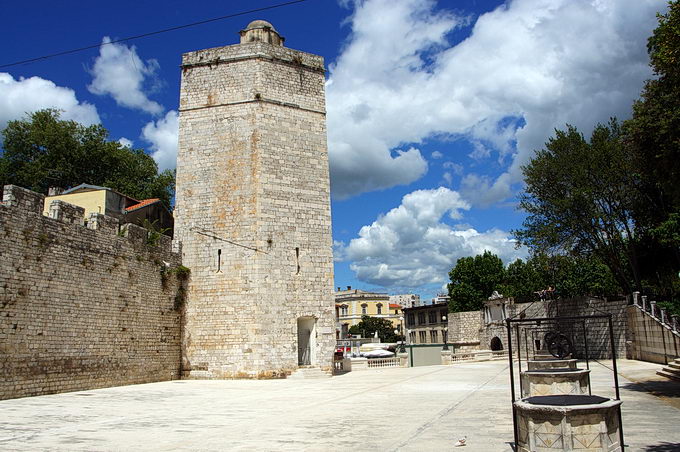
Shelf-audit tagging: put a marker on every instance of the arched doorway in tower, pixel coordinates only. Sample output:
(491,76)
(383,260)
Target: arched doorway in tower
(496,344)
(306,335)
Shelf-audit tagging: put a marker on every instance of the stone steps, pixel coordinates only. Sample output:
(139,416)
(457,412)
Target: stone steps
(309,373)
(672,370)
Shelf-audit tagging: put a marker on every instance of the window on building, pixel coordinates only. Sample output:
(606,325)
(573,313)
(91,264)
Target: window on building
(432,316)
(364,309)
(379,306)
(343,310)
(422,336)
(411,320)
(421,318)
(412,337)
(444,315)
(434,337)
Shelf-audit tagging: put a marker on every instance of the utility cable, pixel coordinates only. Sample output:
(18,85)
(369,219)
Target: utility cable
(209,233)
(152,33)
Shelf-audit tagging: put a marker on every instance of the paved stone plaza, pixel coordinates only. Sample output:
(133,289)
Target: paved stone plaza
(415,409)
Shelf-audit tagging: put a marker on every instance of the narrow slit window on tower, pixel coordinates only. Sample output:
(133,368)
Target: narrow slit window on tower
(297,260)
(219,260)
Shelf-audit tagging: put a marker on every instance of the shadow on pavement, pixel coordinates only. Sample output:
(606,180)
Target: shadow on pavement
(657,387)
(663,447)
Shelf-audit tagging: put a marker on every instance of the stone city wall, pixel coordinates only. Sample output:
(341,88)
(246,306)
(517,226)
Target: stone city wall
(469,328)
(82,307)
(596,330)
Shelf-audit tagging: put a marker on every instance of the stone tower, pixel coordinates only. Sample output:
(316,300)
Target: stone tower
(252,209)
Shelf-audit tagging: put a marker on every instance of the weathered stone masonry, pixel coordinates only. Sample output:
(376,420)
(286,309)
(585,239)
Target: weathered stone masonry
(81,307)
(253,210)
(470,331)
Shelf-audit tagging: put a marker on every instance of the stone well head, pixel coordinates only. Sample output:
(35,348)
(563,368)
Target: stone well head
(588,423)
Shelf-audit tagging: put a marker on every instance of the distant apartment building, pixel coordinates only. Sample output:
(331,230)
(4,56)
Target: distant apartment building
(426,324)
(408,300)
(440,298)
(352,304)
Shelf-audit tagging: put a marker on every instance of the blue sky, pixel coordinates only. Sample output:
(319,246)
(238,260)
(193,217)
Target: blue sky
(433,107)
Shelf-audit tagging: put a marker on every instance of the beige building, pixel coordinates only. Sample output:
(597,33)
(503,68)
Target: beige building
(352,304)
(252,211)
(427,324)
(105,201)
(92,198)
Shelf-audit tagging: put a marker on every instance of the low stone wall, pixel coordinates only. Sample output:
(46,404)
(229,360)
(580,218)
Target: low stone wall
(464,329)
(469,330)
(597,330)
(82,307)
(649,339)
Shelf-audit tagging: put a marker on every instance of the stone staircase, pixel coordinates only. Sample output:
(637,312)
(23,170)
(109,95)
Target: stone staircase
(308,373)
(672,370)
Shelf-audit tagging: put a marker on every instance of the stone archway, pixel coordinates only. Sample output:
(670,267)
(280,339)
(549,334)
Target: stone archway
(496,344)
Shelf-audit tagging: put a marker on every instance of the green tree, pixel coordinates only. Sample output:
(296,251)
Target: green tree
(568,275)
(473,280)
(369,325)
(653,132)
(522,280)
(580,197)
(653,135)
(42,151)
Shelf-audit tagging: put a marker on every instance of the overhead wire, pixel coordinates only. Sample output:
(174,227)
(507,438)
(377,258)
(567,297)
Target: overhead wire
(152,33)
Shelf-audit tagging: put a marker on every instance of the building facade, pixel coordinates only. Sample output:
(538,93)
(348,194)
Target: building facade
(105,201)
(427,324)
(352,304)
(440,298)
(252,211)
(409,300)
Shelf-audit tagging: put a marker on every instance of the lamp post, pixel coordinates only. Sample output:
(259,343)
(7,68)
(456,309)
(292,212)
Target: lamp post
(402,349)
(446,334)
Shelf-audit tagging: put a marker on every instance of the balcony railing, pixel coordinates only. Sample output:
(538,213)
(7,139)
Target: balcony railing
(376,363)
(482,355)
(656,312)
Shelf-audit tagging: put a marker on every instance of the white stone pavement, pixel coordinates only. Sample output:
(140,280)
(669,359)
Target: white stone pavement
(417,409)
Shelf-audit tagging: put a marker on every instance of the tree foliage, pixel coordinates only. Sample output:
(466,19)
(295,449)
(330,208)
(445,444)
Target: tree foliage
(653,132)
(616,197)
(369,325)
(569,276)
(43,151)
(473,280)
(580,197)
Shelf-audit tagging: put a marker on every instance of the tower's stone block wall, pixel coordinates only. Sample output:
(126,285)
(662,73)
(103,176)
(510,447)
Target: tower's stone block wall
(253,211)
(82,307)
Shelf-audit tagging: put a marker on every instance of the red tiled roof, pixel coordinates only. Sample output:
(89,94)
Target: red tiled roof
(141,204)
(393,305)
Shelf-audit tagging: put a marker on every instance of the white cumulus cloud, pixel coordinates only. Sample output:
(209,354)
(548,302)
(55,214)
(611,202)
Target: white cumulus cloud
(412,245)
(26,95)
(163,138)
(119,72)
(527,67)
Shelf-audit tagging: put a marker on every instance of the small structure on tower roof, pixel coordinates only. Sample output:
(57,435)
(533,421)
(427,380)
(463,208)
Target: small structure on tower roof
(261,31)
